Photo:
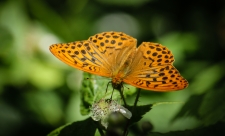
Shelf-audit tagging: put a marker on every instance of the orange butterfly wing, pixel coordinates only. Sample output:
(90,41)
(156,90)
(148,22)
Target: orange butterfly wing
(152,69)
(102,54)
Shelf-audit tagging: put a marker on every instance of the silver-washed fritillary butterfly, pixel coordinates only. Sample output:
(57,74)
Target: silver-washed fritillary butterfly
(115,55)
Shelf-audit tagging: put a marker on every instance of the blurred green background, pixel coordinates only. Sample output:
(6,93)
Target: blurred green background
(39,93)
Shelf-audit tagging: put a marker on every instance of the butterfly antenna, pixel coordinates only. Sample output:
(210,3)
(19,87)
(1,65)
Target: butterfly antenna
(92,78)
(96,78)
(126,87)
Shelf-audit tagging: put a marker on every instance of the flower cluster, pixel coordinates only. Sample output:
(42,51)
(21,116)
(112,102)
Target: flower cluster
(103,108)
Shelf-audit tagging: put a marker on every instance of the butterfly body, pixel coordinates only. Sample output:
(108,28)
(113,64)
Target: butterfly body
(115,55)
(124,70)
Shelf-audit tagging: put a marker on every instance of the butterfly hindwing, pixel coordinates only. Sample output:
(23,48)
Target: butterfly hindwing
(152,69)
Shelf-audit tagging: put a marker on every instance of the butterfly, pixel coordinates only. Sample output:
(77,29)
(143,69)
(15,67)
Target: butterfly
(115,55)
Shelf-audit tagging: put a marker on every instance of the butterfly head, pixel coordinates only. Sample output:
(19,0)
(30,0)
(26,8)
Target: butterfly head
(117,83)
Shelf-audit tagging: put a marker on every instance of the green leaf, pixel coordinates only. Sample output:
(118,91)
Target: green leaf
(208,107)
(76,129)
(213,107)
(87,94)
(207,78)
(213,130)
(190,108)
(138,112)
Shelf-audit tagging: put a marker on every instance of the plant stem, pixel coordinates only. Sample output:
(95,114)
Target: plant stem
(101,132)
(125,132)
(122,96)
(136,100)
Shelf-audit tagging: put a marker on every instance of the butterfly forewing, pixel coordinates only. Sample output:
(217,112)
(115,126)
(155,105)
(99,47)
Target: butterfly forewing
(102,54)
(152,69)
(82,55)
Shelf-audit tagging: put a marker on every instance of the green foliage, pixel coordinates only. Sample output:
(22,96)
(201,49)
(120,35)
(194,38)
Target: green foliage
(80,128)
(213,130)
(209,110)
(87,95)
(212,110)
(138,112)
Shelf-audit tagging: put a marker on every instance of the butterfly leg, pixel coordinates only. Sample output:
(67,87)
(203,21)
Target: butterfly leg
(107,87)
(112,94)
(107,90)
(121,88)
